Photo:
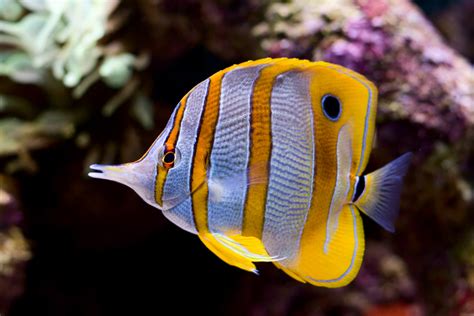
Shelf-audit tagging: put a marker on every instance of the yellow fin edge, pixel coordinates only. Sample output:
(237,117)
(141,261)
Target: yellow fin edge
(358,254)
(308,270)
(238,251)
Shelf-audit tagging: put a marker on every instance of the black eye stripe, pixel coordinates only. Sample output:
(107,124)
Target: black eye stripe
(332,107)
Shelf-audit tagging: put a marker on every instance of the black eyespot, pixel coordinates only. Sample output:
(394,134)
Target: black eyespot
(359,188)
(169,157)
(331,107)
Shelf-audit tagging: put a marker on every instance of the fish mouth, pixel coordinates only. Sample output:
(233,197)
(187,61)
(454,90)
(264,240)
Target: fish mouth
(121,174)
(117,173)
(97,171)
(126,174)
(101,171)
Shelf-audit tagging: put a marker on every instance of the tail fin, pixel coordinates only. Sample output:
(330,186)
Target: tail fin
(380,199)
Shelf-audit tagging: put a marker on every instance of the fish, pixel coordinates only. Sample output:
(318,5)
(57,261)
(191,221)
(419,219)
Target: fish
(264,161)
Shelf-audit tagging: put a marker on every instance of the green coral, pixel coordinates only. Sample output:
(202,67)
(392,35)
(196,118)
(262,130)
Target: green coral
(58,48)
(61,36)
(10,10)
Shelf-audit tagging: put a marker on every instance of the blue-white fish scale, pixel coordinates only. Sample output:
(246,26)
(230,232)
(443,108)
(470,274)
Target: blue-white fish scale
(291,168)
(230,151)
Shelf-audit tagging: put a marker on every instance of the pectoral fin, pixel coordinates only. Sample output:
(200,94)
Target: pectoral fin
(221,187)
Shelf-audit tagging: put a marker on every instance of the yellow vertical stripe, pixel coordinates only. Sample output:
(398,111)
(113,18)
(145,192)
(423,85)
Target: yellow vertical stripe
(260,101)
(340,263)
(199,186)
(326,132)
(170,143)
(260,146)
(207,126)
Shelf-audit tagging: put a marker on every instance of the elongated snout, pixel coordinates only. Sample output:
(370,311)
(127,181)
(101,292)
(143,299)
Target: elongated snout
(138,176)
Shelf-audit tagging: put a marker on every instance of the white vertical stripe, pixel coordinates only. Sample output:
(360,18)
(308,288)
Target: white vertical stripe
(342,185)
(177,203)
(291,164)
(230,151)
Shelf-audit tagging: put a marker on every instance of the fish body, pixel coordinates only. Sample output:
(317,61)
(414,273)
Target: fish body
(264,162)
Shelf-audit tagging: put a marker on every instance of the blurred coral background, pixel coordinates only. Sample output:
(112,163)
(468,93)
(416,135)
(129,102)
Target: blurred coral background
(85,81)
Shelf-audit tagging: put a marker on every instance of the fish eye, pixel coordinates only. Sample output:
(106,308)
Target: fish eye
(169,157)
(331,107)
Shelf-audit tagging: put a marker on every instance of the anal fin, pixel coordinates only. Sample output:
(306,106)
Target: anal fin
(239,251)
(292,274)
